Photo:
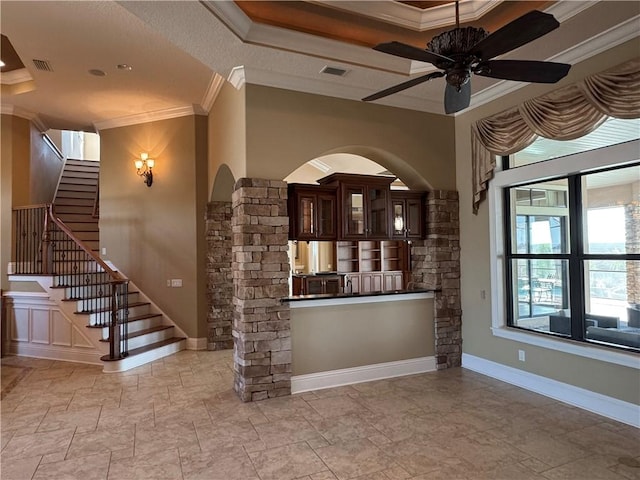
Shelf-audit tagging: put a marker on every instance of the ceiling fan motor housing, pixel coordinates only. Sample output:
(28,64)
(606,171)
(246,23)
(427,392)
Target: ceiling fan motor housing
(455,44)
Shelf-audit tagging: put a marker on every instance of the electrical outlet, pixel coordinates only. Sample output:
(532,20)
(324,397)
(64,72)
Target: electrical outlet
(521,355)
(176,282)
(104,250)
(168,283)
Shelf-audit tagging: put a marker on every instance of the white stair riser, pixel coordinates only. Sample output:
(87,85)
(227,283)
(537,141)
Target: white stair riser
(99,303)
(137,360)
(92,278)
(86,291)
(133,312)
(65,268)
(138,325)
(149,338)
(144,324)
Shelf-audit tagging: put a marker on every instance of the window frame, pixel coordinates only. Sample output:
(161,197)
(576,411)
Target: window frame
(624,154)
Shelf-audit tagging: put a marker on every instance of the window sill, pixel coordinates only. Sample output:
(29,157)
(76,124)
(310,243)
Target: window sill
(631,360)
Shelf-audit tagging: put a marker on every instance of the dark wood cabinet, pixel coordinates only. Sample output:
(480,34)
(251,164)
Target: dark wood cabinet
(364,204)
(372,265)
(407,214)
(317,284)
(312,213)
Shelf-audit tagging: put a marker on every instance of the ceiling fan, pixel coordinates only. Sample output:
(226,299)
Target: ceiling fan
(464,51)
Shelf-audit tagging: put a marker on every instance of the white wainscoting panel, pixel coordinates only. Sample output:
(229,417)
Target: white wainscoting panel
(40,319)
(37,328)
(61,330)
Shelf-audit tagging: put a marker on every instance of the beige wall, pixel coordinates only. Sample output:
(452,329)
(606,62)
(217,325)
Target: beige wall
(157,233)
(29,172)
(19,133)
(286,129)
(46,167)
(327,338)
(605,378)
(227,142)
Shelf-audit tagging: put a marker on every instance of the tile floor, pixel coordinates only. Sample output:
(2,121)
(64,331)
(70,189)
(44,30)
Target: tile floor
(178,418)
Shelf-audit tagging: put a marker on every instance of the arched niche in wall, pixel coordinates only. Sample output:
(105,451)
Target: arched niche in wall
(360,160)
(223,185)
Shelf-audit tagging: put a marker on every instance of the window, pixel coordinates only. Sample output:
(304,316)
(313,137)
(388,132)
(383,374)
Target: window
(612,131)
(572,257)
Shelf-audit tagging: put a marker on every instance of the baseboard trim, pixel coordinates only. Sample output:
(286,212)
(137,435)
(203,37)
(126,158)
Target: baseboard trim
(609,407)
(197,343)
(367,373)
(60,354)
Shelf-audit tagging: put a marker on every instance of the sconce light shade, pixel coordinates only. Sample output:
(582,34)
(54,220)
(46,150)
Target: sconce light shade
(144,166)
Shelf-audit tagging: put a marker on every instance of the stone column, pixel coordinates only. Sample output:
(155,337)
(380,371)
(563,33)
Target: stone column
(261,326)
(219,277)
(436,265)
(632,240)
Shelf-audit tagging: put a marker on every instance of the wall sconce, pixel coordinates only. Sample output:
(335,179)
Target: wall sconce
(144,166)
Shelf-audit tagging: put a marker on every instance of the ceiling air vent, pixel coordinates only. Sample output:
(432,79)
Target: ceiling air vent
(337,71)
(43,65)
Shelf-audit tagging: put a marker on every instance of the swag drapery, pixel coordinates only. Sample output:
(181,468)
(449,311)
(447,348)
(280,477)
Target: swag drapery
(564,114)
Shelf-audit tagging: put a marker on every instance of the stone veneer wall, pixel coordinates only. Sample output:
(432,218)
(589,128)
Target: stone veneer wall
(632,240)
(435,263)
(219,276)
(261,323)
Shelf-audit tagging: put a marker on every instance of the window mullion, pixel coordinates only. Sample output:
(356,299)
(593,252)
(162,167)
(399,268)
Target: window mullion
(576,252)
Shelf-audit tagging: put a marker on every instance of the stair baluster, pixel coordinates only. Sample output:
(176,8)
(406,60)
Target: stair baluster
(44,245)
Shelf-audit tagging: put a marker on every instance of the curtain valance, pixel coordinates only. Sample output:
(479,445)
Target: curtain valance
(564,114)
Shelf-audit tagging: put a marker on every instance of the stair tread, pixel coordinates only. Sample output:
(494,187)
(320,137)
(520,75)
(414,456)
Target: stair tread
(146,331)
(146,348)
(143,316)
(130,319)
(71,299)
(153,346)
(100,310)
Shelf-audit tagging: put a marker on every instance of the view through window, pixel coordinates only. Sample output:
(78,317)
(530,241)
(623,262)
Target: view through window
(573,256)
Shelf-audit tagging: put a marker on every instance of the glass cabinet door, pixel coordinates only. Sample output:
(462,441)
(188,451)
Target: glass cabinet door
(399,214)
(413,218)
(354,212)
(306,212)
(378,212)
(326,216)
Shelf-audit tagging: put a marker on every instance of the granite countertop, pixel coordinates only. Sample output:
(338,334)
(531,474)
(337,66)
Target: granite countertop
(297,298)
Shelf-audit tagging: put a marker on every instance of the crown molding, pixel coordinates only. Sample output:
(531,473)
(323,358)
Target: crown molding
(291,41)
(563,11)
(147,117)
(231,15)
(209,98)
(414,18)
(15,76)
(7,109)
(599,43)
(576,54)
(237,77)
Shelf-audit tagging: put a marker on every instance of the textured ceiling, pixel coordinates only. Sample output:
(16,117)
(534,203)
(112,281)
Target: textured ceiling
(180,51)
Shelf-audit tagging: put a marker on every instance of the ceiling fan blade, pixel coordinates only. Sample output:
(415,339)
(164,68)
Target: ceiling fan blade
(409,51)
(455,100)
(523,70)
(522,30)
(403,86)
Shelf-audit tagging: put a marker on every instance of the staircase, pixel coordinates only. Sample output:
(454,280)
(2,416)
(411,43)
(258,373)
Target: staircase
(146,333)
(76,201)
(121,321)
